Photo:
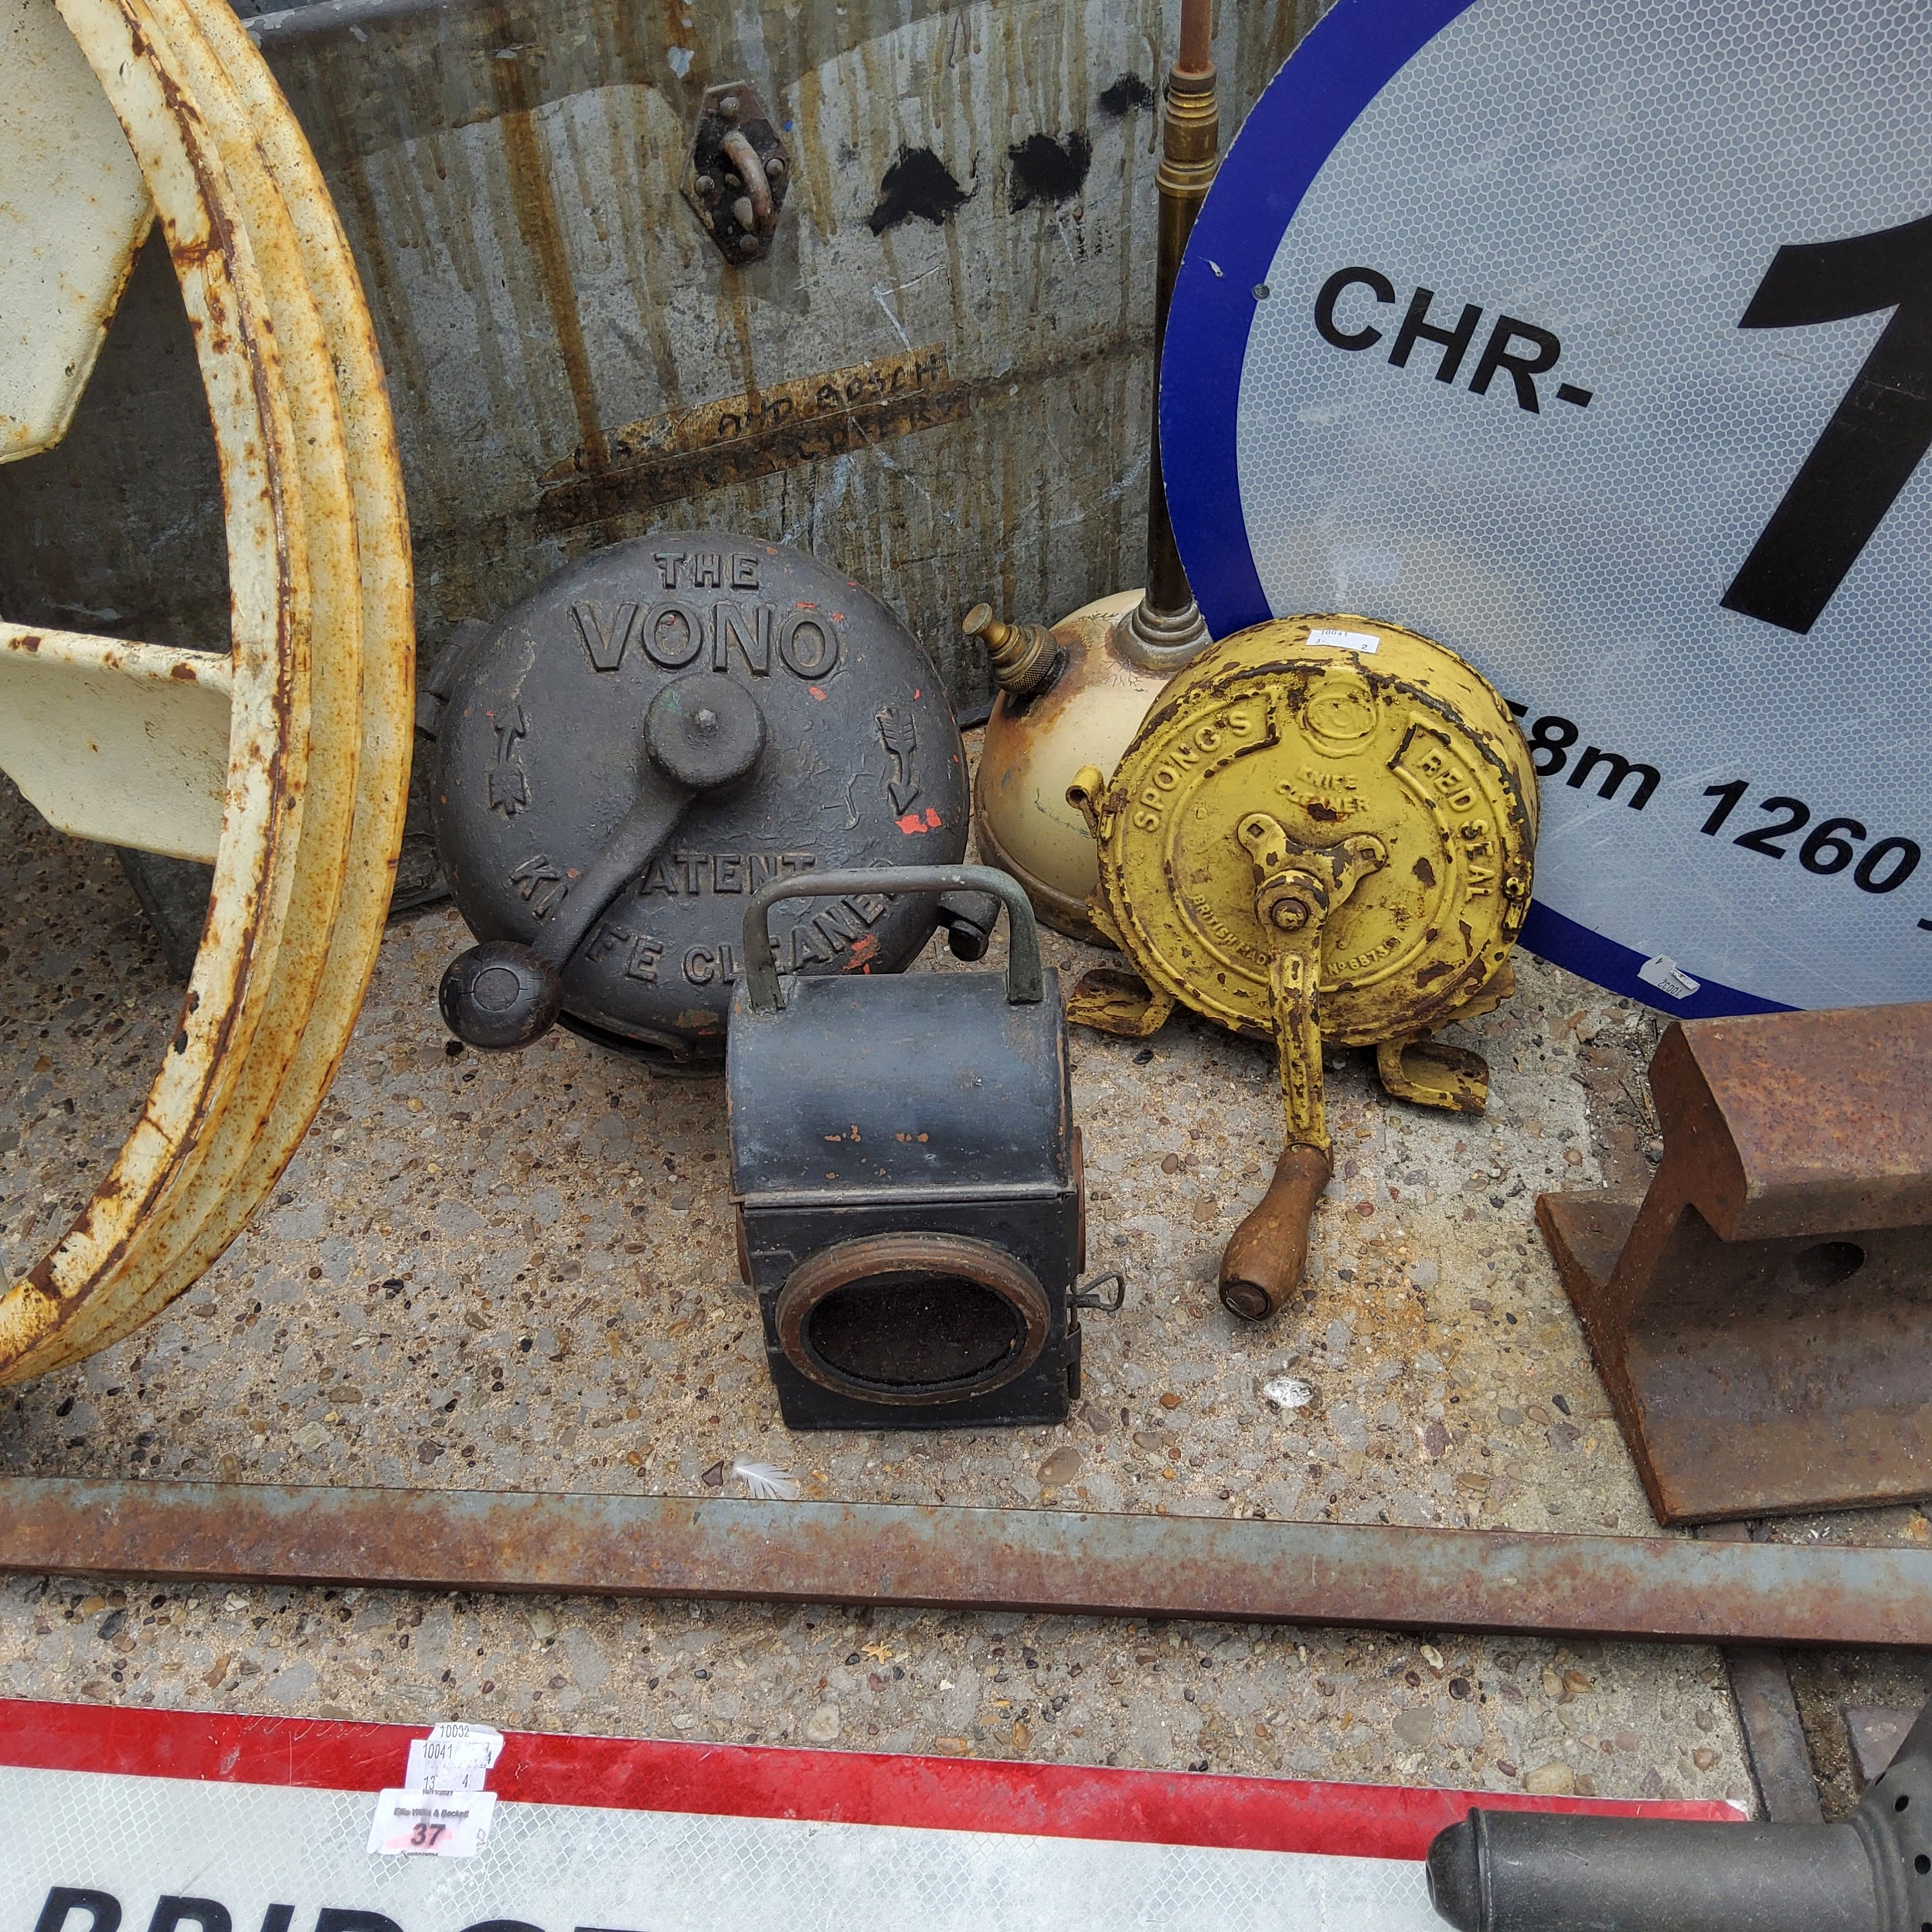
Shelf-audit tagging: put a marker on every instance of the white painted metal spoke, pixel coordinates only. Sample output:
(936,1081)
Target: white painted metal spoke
(74,211)
(115,740)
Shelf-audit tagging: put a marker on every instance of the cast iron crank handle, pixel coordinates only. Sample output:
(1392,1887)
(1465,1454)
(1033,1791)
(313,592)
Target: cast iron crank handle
(1024,986)
(700,733)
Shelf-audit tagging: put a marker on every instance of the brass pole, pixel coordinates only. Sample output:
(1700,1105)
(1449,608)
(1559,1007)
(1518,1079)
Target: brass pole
(1165,630)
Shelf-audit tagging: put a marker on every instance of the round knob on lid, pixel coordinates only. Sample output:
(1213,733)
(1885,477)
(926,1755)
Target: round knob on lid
(702,731)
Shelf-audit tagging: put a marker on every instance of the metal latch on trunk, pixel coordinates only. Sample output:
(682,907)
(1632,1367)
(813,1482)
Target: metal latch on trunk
(739,173)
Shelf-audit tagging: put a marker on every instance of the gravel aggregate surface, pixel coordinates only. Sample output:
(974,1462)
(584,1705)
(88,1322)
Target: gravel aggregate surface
(518,1272)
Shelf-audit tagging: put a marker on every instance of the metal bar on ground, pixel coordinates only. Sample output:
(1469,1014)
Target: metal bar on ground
(941,1557)
(1774,1736)
(1767,1714)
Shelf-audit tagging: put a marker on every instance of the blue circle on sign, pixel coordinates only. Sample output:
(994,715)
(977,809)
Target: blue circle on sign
(1597,342)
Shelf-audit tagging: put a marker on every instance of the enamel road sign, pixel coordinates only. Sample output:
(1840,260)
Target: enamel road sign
(119,1820)
(1595,340)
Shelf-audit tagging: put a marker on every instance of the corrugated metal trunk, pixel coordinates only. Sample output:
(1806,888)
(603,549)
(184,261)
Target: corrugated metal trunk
(940,378)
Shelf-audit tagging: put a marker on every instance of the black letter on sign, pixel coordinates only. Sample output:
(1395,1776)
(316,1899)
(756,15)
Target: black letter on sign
(1617,768)
(206,1913)
(278,1918)
(103,1907)
(1378,284)
(1877,434)
(1416,324)
(1522,368)
(502,1925)
(335,1918)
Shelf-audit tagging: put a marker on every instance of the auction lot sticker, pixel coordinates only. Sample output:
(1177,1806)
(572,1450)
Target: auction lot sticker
(140,1820)
(1594,338)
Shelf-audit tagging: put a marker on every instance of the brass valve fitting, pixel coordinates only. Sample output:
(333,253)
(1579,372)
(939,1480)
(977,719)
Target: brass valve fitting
(1023,654)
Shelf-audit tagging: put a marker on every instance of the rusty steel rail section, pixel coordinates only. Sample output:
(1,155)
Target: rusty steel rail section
(939,1557)
(1758,1316)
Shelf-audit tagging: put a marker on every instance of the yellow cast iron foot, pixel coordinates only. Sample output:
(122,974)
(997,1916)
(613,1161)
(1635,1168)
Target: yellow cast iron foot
(1432,1073)
(1111,1001)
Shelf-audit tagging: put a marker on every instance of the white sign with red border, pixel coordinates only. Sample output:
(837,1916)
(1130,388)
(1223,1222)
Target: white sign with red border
(142,1820)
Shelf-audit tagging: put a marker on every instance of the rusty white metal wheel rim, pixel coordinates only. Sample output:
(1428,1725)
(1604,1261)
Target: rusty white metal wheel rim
(317,681)
(380,719)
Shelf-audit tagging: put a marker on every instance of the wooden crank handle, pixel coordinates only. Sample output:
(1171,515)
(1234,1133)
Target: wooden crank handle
(1262,1265)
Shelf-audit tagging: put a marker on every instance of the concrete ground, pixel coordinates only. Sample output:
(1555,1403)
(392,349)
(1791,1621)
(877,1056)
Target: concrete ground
(518,1272)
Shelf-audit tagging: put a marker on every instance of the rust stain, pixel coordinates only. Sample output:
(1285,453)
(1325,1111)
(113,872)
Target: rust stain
(538,222)
(689,453)
(375,259)
(790,409)
(734,293)
(677,29)
(811,152)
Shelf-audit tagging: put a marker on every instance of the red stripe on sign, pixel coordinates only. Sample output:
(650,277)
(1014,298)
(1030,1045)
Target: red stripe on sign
(747,1781)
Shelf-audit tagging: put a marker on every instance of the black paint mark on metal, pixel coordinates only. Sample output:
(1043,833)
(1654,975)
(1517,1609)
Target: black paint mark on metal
(920,184)
(1127,93)
(1048,171)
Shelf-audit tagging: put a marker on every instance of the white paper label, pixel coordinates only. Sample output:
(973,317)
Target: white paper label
(1668,976)
(486,1735)
(453,1757)
(1367,642)
(427,1825)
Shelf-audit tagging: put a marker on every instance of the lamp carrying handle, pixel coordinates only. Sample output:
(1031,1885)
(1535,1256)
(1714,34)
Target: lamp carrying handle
(1024,986)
